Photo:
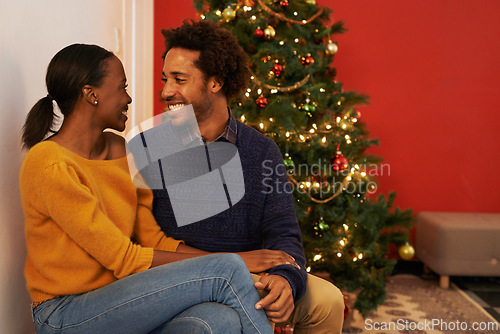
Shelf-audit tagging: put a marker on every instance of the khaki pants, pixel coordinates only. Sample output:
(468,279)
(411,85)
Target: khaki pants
(319,311)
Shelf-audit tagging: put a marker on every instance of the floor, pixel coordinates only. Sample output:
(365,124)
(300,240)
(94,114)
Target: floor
(483,290)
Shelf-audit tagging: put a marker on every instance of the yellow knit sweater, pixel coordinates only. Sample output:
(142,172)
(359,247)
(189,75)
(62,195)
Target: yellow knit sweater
(86,224)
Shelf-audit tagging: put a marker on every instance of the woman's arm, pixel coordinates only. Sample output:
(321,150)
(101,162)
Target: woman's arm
(164,257)
(257,261)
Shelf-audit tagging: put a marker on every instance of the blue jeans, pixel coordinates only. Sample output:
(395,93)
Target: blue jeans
(205,318)
(150,300)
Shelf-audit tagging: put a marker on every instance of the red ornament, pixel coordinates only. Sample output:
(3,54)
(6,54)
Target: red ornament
(339,162)
(277,69)
(346,308)
(346,312)
(258,33)
(307,60)
(284,4)
(261,102)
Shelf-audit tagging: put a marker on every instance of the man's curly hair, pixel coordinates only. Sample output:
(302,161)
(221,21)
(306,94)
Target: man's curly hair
(220,54)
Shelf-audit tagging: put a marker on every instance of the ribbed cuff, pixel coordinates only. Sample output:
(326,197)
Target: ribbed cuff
(295,277)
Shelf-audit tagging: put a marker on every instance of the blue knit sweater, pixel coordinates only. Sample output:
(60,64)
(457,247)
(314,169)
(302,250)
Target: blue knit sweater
(263,218)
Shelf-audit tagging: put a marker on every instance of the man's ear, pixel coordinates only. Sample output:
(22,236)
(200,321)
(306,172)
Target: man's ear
(89,94)
(215,84)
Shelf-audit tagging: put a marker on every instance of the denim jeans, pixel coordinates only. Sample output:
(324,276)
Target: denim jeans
(205,318)
(148,301)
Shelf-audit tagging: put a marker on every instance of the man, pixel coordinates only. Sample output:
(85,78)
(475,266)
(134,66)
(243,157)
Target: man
(204,66)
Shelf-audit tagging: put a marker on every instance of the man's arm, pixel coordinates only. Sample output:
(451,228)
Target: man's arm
(281,231)
(280,227)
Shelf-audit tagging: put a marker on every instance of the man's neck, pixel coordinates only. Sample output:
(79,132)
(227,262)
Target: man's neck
(212,127)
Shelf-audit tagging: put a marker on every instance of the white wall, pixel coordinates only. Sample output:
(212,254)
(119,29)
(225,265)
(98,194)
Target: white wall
(32,31)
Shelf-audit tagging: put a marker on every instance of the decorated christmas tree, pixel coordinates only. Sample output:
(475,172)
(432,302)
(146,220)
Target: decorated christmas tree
(294,97)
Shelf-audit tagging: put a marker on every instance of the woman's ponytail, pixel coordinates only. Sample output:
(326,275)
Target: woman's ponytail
(38,122)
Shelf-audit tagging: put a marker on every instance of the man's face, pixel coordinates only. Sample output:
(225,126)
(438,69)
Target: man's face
(185,83)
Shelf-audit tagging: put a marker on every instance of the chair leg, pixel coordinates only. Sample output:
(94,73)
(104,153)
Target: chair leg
(444,281)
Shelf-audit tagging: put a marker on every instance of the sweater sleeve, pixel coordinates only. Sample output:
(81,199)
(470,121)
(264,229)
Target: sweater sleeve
(147,232)
(71,204)
(280,227)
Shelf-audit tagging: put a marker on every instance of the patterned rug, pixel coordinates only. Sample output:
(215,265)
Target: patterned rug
(418,306)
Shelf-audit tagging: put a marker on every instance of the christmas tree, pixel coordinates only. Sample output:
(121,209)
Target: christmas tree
(295,99)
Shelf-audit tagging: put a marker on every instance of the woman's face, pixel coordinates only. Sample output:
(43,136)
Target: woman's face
(112,97)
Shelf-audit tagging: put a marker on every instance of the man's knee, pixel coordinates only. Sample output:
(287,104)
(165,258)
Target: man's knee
(324,297)
(321,308)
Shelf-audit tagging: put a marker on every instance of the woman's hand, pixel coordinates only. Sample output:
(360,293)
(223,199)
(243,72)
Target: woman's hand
(261,260)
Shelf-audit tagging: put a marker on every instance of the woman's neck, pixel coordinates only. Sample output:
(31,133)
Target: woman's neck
(78,137)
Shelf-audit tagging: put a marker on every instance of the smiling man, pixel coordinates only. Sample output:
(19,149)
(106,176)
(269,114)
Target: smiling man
(204,66)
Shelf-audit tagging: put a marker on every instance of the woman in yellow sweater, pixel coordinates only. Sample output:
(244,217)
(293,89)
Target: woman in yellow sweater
(90,234)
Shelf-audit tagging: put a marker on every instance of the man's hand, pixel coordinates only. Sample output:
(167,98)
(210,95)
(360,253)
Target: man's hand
(261,260)
(278,303)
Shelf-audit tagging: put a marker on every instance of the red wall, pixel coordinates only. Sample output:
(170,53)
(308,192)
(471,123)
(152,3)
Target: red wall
(431,70)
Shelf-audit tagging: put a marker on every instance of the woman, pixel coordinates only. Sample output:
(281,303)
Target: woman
(90,234)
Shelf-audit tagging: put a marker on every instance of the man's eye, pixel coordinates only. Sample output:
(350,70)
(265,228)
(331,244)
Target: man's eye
(164,80)
(180,80)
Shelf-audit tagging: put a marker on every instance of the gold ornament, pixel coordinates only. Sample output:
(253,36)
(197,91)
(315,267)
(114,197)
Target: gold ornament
(228,14)
(311,2)
(269,32)
(406,251)
(331,48)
